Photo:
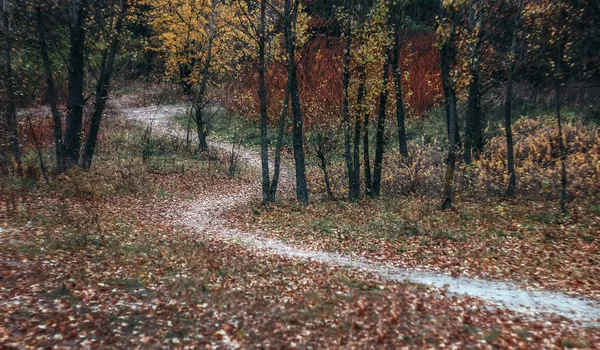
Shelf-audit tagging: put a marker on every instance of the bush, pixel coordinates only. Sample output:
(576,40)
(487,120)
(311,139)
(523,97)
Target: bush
(537,160)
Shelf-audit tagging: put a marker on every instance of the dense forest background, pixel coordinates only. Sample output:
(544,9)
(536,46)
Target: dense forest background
(424,82)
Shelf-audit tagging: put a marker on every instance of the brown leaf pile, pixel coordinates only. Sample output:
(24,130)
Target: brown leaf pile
(112,273)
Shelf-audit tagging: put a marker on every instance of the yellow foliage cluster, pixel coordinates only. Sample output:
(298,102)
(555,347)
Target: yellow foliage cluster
(537,160)
(191,33)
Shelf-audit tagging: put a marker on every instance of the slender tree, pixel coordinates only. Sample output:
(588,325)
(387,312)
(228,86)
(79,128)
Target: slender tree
(350,167)
(262,93)
(106,70)
(51,91)
(561,142)
(279,144)
(380,134)
(512,59)
(290,17)
(75,100)
(366,156)
(11,108)
(198,98)
(448,56)
(473,133)
(397,19)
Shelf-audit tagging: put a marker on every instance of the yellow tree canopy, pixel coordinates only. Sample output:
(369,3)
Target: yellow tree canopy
(196,38)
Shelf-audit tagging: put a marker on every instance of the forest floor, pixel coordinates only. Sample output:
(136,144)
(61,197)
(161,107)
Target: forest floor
(138,254)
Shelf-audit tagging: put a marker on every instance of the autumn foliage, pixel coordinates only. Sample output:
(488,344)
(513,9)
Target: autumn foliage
(321,85)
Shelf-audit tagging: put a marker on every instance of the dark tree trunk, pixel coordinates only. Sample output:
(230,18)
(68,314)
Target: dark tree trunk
(56,117)
(262,93)
(352,195)
(561,143)
(11,108)
(102,85)
(277,160)
(75,101)
(357,132)
(400,114)
(201,129)
(510,153)
(199,98)
(380,135)
(366,157)
(473,134)
(447,61)
(297,136)
(356,156)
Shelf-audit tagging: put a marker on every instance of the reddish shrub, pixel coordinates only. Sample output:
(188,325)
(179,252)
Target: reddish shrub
(320,81)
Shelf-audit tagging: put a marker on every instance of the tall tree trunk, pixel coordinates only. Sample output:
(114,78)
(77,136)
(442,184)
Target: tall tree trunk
(262,93)
(352,195)
(447,61)
(400,114)
(366,157)
(448,49)
(75,101)
(56,117)
(473,134)
(561,143)
(277,160)
(106,69)
(357,132)
(510,153)
(11,108)
(380,135)
(199,98)
(290,17)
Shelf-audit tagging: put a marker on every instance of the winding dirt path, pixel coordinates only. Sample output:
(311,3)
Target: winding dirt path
(205,217)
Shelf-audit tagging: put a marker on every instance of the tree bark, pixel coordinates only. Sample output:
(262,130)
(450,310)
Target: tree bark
(366,157)
(357,133)
(379,136)
(262,93)
(277,160)
(56,117)
(11,108)
(447,61)
(510,153)
(400,113)
(75,101)
(352,195)
(102,85)
(297,136)
(201,129)
(199,98)
(562,147)
(473,134)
